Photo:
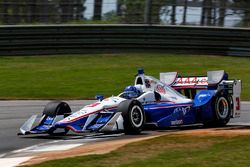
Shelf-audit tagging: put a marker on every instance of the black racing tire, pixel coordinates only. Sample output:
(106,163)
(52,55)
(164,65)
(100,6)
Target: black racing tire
(222,109)
(133,116)
(57,108)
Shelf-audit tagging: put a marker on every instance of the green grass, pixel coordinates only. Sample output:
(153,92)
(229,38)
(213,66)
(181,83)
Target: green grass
(169,151)
(84,76)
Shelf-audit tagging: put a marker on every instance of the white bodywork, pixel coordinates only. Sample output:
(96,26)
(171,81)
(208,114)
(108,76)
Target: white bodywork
(114,124)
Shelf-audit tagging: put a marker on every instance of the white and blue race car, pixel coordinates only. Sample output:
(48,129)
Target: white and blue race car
(214,100)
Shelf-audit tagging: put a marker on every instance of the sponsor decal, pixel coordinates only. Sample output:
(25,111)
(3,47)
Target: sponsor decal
(160,89)
(49,120)
(177,122)
(237,103)
(93,105)
(191,81)
(75,115)
(184,110)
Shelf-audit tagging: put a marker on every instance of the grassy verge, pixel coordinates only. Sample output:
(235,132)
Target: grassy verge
(171,151)
(84,76)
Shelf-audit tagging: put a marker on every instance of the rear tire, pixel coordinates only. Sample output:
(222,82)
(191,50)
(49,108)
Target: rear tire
(57,108)
(222,109)
(133,116)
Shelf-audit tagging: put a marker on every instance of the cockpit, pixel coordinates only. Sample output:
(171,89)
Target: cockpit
(131,92)
(161,91)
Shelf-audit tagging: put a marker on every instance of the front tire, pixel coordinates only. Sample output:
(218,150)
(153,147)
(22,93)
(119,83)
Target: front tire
(55,108)
(133,116)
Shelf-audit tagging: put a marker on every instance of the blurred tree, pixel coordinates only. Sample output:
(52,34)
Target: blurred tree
(206,15)
(33,13)
(133,10)
(184,17)
(243,5)
(111,17)
(97,10)
(15,6)
(66,8)
(119,7)
(222,12)
(173,15)
(4,12)
(79,9)
(40,11)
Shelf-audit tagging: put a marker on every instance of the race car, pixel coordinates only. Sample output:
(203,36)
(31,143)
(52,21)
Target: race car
(149,101)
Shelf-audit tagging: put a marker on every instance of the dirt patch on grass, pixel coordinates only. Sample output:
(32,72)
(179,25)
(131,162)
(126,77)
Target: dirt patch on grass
(108,146)
(226,131)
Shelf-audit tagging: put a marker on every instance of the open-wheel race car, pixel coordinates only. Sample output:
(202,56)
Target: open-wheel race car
(213,101)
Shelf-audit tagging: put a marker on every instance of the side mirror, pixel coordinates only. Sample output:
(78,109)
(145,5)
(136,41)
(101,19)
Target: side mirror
(99,97)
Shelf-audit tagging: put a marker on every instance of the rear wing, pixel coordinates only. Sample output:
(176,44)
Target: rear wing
(187,85)
(176,81)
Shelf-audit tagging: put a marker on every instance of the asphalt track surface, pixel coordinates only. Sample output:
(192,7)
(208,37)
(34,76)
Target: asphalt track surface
(14,113)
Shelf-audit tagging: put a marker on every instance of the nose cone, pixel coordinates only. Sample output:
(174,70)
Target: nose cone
(61,124)
(75,126)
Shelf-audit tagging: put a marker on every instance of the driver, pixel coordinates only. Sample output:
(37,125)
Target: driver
(132,92)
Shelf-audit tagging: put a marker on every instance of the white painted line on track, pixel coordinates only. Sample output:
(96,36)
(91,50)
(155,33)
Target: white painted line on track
(49,146)
(12,162)
(34,147)
(240,123)
(45,147)
(2,155)
(55,148)
(245,102)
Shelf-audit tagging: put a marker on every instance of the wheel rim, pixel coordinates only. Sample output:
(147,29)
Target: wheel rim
(222,108)
(136,116)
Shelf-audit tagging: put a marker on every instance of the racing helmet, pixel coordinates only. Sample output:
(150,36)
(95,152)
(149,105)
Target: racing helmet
(131,92)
